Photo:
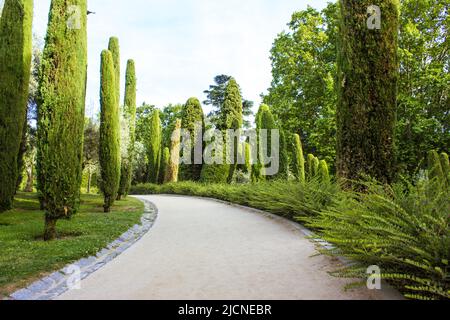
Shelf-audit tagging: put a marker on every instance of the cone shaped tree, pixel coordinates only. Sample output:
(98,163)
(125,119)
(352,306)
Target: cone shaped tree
(192,120)
(15,64)
(164,167)
(367,88)
(171,174)
(299,160)
(154,147)
(109,151)
(114,47)
(61,103)
(130,117)
(265,148)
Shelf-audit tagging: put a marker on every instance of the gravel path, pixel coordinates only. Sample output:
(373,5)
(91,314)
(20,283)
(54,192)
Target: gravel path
(202,249)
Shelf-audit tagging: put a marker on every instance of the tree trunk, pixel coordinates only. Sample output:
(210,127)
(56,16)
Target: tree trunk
(50,229)
(30,178)
(367,89)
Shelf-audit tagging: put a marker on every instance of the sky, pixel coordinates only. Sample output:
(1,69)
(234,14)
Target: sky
(179,46)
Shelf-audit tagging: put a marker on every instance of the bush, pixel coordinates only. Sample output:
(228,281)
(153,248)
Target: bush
(402,229)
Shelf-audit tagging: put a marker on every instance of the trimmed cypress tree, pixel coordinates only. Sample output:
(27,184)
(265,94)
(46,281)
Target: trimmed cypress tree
(192,118)
(283,173)
(367,90)
(298,159)
(109,152)
(15,64)
(172,171)
(165,159)
(129,107)
(61,103)
(323,171)
(154,147)
(268,123)
(310,166)
(316,164)
(216,172)
(257,169)
(114,47)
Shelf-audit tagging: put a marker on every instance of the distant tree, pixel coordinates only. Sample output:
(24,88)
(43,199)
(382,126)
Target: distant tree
(15,65)
(192,119)
(154,147)
(169,116)
(90,150)
(109,152)
(298,159)
(216,98)
(129,113)
(367,91)
(61,104)
(171,174)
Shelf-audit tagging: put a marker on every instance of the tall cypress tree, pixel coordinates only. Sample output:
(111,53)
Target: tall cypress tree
(61,103)
(114,47)
(109,152)
(367,82)
(130,115)
(298,159)
(257,169)
(172,171)
(15,64)
(267,123)
(164,167)
(192,118)
(154,147)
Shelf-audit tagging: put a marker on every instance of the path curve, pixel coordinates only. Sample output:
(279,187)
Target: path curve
(203,249)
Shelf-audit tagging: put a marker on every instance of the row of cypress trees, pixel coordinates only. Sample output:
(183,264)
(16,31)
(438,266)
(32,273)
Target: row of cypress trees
(116,150)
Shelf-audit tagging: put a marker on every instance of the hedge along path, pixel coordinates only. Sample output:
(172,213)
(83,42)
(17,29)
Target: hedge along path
(203,249)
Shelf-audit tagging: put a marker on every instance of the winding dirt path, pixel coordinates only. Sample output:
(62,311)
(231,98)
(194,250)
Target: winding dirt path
(202,249)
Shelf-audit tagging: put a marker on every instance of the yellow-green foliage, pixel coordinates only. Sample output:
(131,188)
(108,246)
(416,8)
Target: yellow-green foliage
(299,160)
(109,152)
(172,171)
(129,107)
(445,166)
(154,147)
(114,47)
(310,165)
(165,159)
(323,171)
(15,64)
(435,170)
(61,104)
(367,90)
(192,115)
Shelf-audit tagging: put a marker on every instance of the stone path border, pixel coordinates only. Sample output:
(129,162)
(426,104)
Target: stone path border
(57,283)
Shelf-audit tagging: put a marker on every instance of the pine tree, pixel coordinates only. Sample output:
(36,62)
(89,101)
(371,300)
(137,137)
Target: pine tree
(114,47)
(109,152)
(154,147)
(172,171)
(15,65)
(367,90)
(61,103)
(129,107)
(298,159)
(192,119)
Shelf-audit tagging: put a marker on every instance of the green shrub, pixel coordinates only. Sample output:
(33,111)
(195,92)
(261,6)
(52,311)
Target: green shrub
(311,173)
(323,171)
(154,147)
(298,159)
(109,149)
(192,115)
(15,64)
(216,172)
(403,230)
(445,166)
(435,170)
(61,104)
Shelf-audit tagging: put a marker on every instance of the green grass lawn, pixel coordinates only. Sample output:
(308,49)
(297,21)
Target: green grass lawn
(25,257)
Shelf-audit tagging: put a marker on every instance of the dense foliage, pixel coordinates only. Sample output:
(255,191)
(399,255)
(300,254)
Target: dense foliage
(15,66)
(154,147)
(109,149)
(61,104)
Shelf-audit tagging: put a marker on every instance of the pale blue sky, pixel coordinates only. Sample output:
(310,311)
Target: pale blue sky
(179,46)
